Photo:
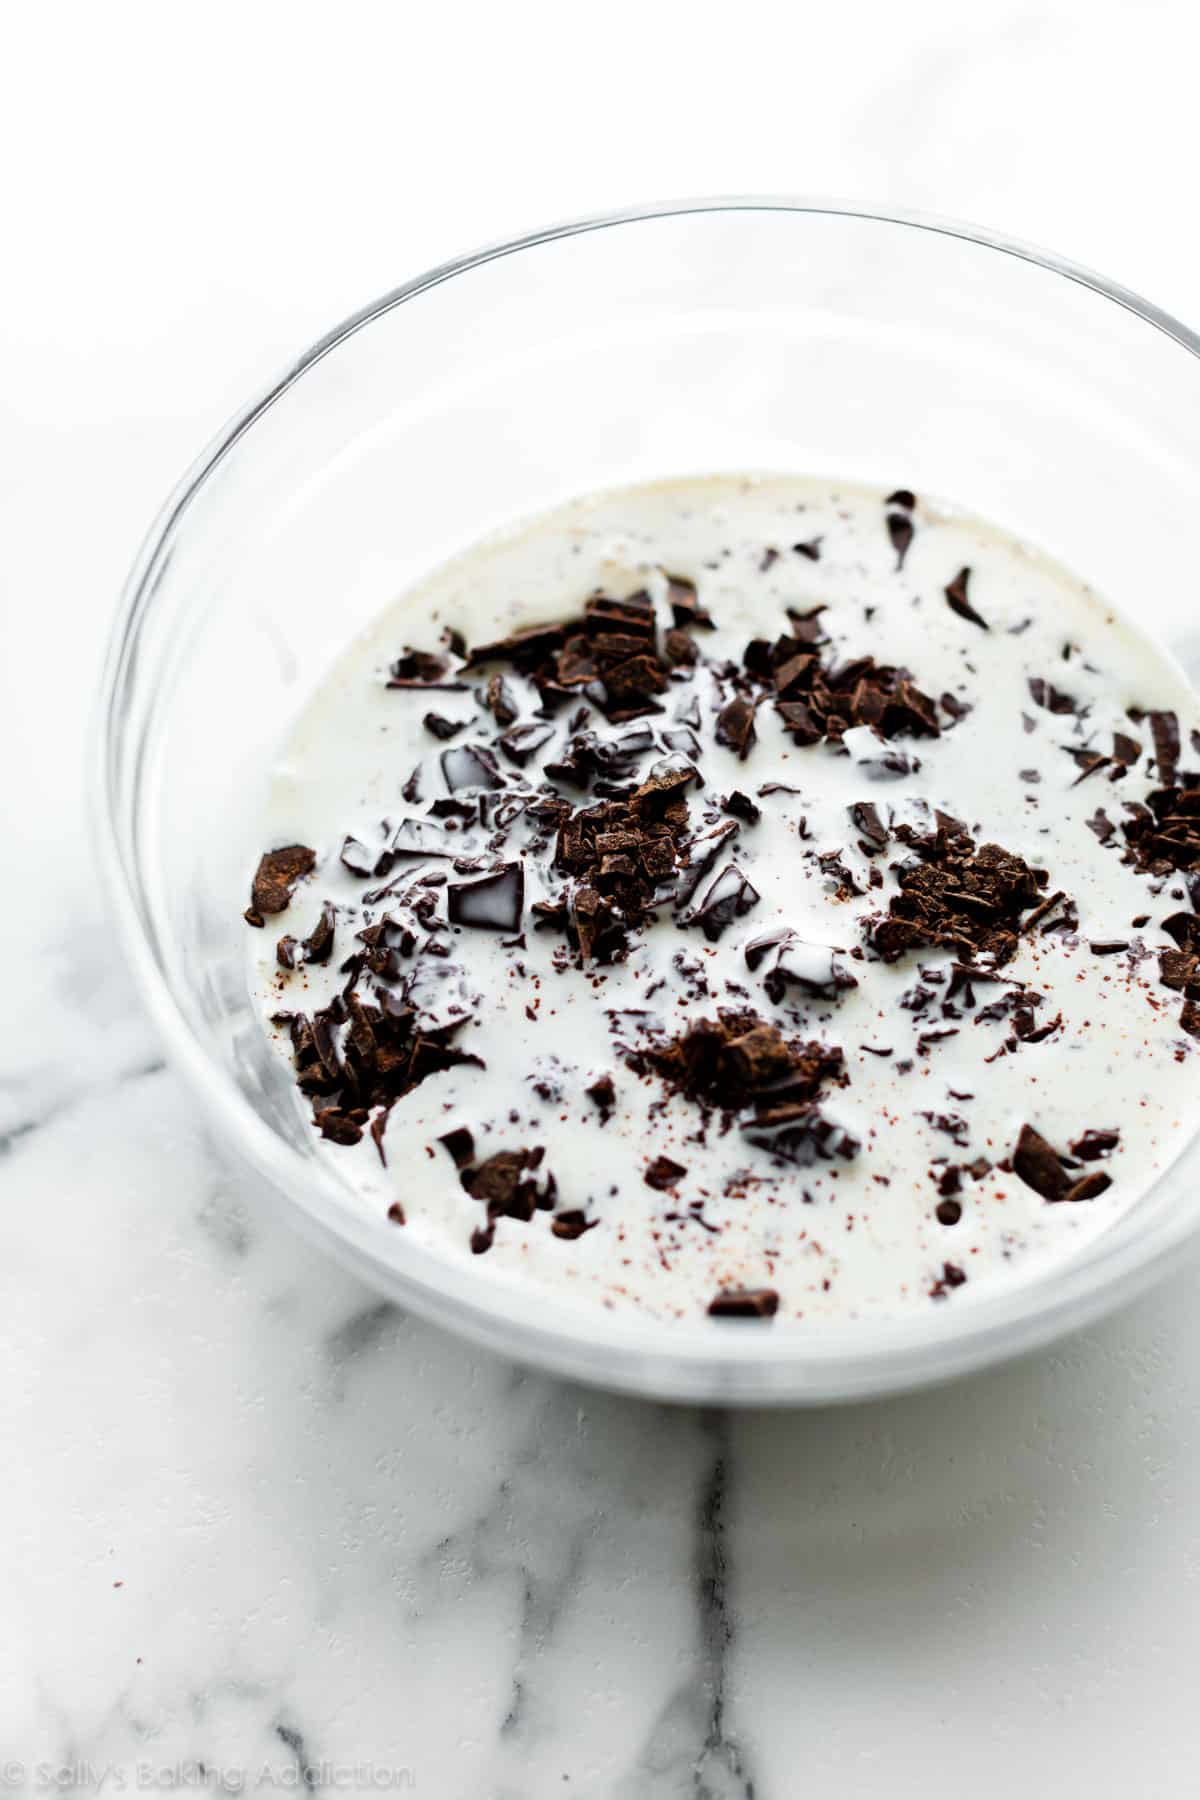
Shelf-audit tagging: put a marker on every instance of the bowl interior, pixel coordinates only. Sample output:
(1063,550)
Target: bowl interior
(741,337)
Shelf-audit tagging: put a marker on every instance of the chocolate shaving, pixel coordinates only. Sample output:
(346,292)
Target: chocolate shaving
(957,601)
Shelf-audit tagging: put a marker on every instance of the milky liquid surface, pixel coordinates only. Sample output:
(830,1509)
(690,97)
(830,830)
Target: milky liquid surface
(840,1239)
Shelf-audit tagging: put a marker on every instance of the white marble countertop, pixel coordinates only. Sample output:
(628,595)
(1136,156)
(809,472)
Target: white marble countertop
(253,1518)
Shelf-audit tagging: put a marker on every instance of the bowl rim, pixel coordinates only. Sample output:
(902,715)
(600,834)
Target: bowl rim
(748,1363)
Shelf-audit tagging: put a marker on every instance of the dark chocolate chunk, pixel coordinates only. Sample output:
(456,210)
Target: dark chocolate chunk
(684,602)
(1095,1146)
(957,896)
(441,727)
(338,1126)
(395,1213)
(524,741)
(602,1092)
(571,1224)
(904,498)
(420,669)
(1045,694)
(957,601)
(1164,729)
(318,945)
(812,549)
(735,725)
(951,1277)
(285,952)
(900,530)
(1107,946)
(499,700)
(470,766)
(948,1212)
(744,1303)
(460,1144)
(730,897)
(740,806)
(277,875)
(493,903)
(1038,1165)
(663,1174)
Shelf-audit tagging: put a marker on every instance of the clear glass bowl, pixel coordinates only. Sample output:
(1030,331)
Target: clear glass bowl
(726,335)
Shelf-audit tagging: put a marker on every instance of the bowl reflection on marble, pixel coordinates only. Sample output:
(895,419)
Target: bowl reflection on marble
(758,334)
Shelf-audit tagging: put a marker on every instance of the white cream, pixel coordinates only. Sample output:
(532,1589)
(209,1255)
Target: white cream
(839,1238)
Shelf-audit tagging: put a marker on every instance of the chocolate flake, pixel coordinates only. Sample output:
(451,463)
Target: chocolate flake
(957,601)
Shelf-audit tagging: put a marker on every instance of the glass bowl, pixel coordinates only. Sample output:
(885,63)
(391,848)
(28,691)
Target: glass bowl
(725,335)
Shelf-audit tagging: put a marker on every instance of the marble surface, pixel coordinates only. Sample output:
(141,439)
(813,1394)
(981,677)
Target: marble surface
(259,1529)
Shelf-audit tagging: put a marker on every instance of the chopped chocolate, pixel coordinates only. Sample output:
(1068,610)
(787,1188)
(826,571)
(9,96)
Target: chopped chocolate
(395,1213)
(1039,1166)
(441,727)
(681,649)
(1095,1146)
(797,1131)
(499,700)
(603,1093)
(737,1058)
(318,945)
(505,1183)
(730,897)
(470,766)
(812,549)
(1046,695)
(735,725)
(1164,729)
(277,875)
(286,952)
(1107,946)
(460,1144)
(338,1126)
(951,1277)
(494,902)
(420,669)
(744,1303)
(957,601)
(903,498)
(900,530)
(815,969)
(948,1212)
(684,602)
(740,806)
(959,897)
(572,1224)
(663,1174)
